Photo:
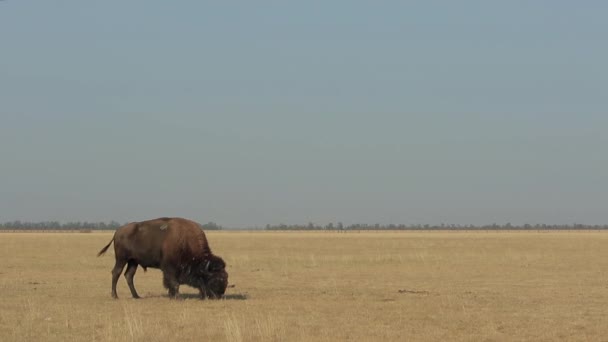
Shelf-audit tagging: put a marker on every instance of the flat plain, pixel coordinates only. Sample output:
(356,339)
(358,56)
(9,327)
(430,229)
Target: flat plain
(319,286)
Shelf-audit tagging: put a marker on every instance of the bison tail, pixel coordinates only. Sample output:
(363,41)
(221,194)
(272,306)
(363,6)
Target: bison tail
(103,250)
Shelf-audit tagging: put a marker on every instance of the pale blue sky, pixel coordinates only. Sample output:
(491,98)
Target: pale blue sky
(281,112)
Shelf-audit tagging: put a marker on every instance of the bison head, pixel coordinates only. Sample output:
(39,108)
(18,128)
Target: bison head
(215,276)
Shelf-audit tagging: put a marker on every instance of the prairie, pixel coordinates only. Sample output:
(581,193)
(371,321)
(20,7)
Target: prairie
(319,286)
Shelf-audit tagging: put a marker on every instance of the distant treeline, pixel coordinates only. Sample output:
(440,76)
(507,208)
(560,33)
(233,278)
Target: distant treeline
(113,225)
(54,225)
(508,226)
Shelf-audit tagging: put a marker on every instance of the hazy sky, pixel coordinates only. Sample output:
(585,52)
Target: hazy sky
(253,112)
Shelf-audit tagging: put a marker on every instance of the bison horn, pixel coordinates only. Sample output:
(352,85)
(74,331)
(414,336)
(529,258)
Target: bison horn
(207,266)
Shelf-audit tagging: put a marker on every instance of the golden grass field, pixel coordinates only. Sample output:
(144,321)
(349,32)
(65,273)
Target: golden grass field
(319,286)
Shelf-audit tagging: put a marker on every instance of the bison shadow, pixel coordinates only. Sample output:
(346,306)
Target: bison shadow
(235,296)
(182,296)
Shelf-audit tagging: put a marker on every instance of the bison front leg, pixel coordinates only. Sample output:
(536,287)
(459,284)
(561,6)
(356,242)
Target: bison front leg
(170,282)
(129,274)
(203,291)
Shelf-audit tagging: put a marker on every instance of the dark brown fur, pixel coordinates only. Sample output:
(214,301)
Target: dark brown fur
(176,246)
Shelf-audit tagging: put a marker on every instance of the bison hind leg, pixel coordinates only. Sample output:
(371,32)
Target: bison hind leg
(118,266)
(129,274)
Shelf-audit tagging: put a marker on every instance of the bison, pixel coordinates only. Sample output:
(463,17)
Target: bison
(176,246)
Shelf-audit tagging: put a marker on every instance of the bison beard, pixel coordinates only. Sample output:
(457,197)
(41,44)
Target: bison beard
(176,246)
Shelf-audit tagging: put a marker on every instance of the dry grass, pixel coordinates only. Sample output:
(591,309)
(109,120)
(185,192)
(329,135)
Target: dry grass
(303,286)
